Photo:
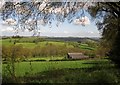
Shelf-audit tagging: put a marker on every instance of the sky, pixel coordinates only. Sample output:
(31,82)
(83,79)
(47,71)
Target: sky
(63,30)
(74,29)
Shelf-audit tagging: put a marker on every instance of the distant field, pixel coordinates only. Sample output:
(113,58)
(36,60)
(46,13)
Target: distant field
(46,58)
(85,46)
(28,43)
(5,42)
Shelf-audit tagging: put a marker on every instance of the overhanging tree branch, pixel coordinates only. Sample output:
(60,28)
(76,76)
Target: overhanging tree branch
(32,12)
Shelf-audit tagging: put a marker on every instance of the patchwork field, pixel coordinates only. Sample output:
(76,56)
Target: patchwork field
(35,60)
(31,42)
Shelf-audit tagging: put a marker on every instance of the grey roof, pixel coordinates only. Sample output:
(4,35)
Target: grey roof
(77,56)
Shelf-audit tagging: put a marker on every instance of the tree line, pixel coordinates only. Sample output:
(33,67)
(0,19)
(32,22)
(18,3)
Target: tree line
(48,50)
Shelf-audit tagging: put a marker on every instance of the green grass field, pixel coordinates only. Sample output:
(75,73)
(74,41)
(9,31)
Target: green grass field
(100,71)
(28,43)
(85,46)
(21,68)
(55,68)
(46,58)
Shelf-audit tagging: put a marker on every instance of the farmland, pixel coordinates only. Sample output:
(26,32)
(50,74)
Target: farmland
(24,67)
(84,71)
(45,61)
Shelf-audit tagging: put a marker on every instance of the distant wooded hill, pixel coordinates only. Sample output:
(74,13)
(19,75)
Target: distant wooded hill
(76,39)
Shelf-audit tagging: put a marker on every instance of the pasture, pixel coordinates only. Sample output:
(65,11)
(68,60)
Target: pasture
(31,42)
(80,71)
(37,60)
(21,68)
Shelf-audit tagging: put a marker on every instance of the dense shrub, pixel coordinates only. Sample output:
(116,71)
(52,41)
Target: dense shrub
(15,50)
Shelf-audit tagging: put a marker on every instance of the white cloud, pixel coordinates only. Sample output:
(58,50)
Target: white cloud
(42,22)
(42,6)
(82,21)
(91,32)
(7,29)
(77,22)
(9,21)
(2,3)
(66,32)
(58,10)
(87,34)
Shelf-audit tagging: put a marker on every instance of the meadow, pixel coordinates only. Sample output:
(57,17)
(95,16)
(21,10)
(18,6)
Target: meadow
(33,41)
(100,71)
(37,60)
(21,68)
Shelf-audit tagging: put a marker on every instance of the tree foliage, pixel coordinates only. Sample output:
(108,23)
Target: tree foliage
(29,15)
(108,15)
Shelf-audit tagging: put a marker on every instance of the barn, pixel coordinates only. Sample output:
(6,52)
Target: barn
(76,56)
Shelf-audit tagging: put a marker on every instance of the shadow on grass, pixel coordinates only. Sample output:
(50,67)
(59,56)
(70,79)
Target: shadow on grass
(102,73)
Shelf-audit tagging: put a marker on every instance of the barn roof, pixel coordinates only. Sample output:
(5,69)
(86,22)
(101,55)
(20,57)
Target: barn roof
(77,55)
